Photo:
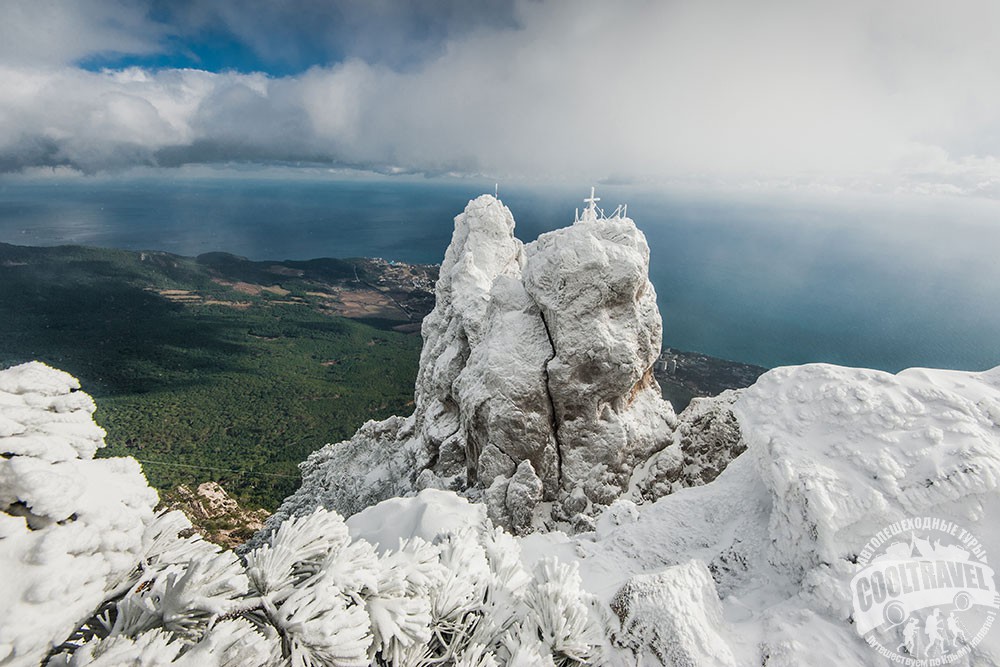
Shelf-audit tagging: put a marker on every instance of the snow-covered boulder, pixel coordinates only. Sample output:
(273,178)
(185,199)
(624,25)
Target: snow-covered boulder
(511,503)
(675,615)
(848,451)
(540,354)
(71,527)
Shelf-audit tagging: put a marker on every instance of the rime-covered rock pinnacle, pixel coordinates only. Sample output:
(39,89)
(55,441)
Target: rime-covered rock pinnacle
(538,353)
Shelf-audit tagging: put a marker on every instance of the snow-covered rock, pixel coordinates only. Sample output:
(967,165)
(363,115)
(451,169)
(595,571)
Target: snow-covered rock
(71,527)
(540,354)
(834,455)
(849,451)
(590,281)
(511,502)
(674,615)
(707,439)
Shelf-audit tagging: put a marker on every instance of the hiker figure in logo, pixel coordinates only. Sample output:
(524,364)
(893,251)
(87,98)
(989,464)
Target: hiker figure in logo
(909,645)
(955,630)
(932,628)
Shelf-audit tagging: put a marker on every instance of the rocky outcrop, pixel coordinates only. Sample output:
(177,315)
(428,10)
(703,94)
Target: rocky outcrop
(537,354)
(707,439)
(675,615)
(591,284)
(215,514)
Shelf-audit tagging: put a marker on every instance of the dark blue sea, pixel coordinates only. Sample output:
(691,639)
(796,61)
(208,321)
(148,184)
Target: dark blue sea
(882,281)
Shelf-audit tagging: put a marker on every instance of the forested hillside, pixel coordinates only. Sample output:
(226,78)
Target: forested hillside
(218,368)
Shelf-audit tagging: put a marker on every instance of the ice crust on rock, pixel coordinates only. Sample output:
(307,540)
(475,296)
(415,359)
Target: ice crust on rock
(538,353)
(707,439)
(675,616)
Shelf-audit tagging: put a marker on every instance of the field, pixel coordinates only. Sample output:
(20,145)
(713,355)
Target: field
(218,368)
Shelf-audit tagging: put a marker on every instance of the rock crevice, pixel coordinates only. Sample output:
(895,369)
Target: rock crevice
(548,394)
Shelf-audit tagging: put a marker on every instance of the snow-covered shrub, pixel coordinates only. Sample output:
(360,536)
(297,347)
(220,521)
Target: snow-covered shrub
(311,596)
(71,527)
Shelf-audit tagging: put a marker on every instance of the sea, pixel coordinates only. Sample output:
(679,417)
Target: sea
(773,278)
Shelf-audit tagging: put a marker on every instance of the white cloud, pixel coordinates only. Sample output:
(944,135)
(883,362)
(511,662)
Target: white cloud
(50,32)
(896,94)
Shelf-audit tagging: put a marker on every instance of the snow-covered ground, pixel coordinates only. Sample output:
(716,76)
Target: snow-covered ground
(757,564)
(751,568)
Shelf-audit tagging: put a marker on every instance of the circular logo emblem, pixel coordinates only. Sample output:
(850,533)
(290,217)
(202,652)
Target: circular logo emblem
(924,593)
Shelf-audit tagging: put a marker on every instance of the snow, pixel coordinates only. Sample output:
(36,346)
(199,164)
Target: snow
(833,455)
(428,515)
(72,526)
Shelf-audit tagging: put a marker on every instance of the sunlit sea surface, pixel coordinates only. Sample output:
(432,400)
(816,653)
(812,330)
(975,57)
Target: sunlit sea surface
(882,282)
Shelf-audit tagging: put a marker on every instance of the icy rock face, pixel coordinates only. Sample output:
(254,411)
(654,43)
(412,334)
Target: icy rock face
(379,462)
(538,354)
(591,283)
(482,250)
(71,527)
(707,437)
(506,408)
(833,456)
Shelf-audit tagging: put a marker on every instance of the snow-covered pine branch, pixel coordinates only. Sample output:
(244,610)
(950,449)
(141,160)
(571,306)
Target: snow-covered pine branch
(311,596)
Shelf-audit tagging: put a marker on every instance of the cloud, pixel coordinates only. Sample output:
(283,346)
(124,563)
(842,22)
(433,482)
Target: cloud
(34,32)
(398,34)
(889,95)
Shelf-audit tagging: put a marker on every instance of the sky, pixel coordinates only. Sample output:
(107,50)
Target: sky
(886,96)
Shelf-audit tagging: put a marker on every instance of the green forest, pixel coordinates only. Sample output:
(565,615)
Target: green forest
(224,385)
